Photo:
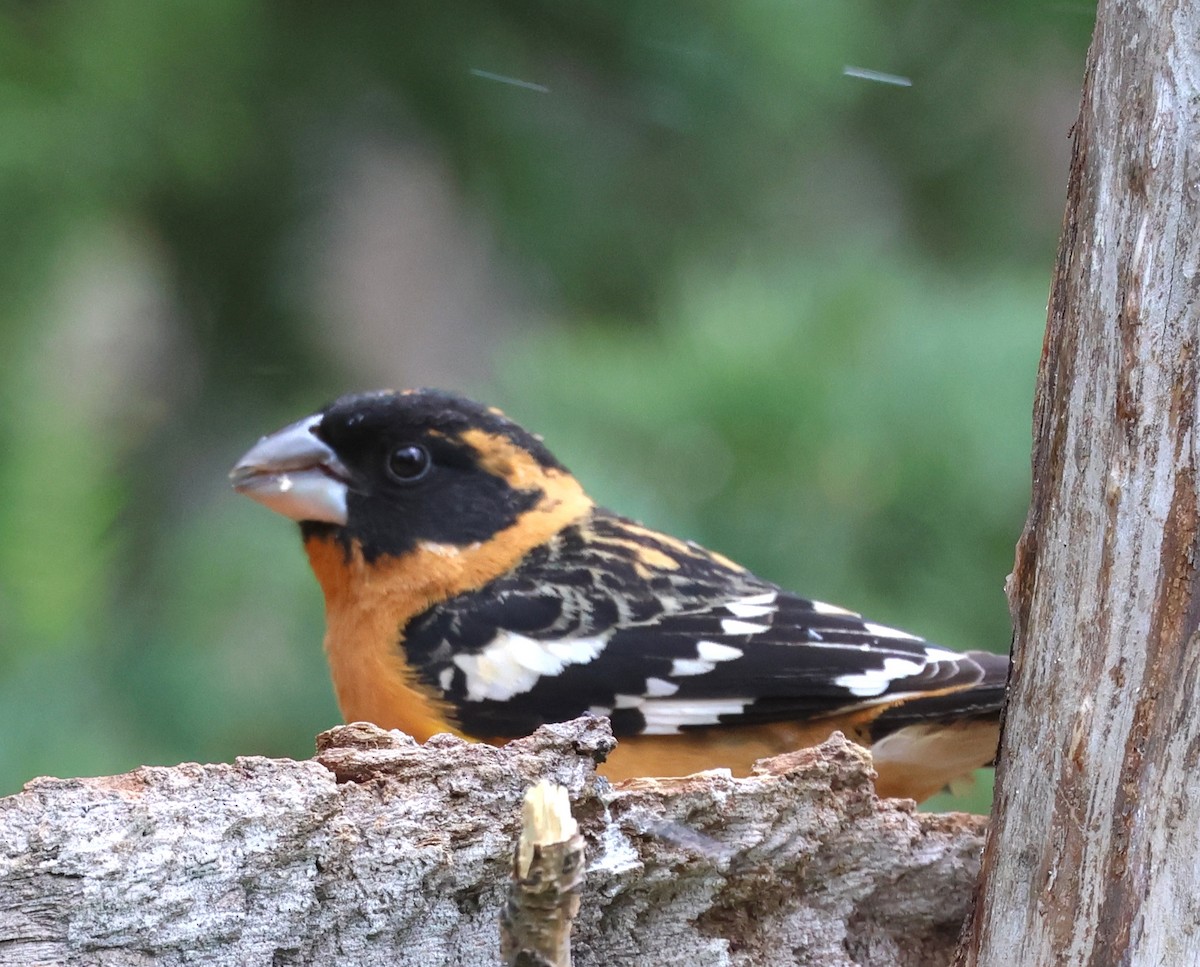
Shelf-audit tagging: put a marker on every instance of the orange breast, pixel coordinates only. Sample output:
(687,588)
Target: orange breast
(368,605)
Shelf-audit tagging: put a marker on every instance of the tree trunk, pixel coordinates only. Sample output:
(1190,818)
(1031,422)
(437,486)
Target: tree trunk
(381,851)
(1092,857)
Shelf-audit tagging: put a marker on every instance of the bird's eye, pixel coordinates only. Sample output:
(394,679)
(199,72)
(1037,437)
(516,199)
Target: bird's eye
(409,463)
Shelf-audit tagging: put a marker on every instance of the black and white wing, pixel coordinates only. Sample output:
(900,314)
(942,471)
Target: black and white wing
(663,636)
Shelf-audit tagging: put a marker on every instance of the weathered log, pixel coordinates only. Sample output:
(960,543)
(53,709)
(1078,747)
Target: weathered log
(383,851)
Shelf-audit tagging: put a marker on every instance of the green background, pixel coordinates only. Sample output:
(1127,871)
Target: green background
(787,312)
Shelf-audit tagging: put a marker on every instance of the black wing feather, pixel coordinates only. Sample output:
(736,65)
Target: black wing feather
(613,618)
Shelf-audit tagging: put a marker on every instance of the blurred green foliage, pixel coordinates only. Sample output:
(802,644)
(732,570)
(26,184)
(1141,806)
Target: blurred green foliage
(794,315)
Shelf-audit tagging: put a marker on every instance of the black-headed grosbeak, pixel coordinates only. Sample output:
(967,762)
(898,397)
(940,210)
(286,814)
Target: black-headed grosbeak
(471,586)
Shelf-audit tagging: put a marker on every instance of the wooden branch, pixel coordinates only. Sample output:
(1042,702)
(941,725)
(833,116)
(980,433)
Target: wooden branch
(383,851)
(1092,858)
(543,895)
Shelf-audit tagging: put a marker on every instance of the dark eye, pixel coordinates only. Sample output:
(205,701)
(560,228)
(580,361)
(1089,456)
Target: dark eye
(408,463)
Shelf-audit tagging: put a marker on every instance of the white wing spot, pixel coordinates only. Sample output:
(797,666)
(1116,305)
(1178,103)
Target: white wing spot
(660,688)
(876,680)
(733,626)
(665,716)
(690,666)
(708,653)
(511,664)
(883,631)
(767,597)
(820,607)
(743,610)
(714,651)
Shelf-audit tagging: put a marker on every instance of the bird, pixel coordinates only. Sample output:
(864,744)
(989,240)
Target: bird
(472,586)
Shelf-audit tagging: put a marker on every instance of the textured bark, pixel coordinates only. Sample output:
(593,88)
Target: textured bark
(1092,856)
(382,851)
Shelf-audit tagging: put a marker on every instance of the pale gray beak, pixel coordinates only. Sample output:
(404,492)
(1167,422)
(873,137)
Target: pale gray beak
(295,474)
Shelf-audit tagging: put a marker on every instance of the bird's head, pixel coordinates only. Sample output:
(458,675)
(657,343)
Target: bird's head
(390,473)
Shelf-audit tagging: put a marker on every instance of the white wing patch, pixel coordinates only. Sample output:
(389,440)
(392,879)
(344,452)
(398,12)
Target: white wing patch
(742,610)
(876,680)
(666,716)
(690,666)
(735,626)
(715,651)
(753,605)
(660,687)
(708,653)
(511,664)
(883,631)
(656,688)
(820,607)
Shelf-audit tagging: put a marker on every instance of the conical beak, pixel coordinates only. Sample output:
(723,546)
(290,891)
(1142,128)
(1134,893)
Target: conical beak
(295,474)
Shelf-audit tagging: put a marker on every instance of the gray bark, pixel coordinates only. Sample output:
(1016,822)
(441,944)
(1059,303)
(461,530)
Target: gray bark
(382,851)
(1093,855)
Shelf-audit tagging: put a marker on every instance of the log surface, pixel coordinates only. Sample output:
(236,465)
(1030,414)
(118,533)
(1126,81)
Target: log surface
(383,851)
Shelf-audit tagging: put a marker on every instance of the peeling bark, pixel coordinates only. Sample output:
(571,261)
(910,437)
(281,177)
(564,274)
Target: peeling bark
(1092,857)
(383,851)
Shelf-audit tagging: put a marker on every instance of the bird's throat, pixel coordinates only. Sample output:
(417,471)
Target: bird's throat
(369,604)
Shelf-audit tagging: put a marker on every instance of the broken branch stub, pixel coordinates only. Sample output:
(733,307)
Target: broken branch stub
(543,895)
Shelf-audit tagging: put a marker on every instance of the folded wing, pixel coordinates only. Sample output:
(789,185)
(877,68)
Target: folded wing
(664,637)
